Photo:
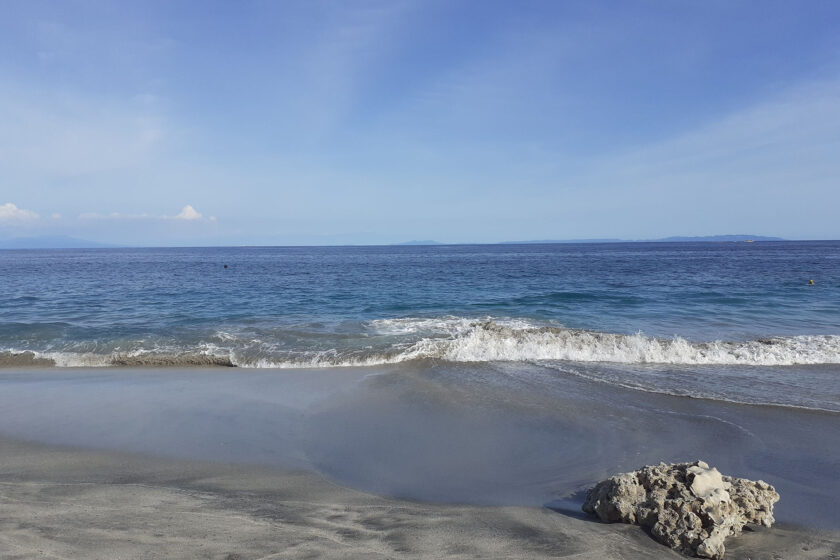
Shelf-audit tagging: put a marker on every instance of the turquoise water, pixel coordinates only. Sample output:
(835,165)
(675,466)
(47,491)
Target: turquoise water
(730,321)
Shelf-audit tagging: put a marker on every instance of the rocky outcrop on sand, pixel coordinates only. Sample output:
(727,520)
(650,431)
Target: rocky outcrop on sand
(690,507)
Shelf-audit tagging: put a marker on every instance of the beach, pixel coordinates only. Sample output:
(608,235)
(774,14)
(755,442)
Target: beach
(226,463)
(59,502)
(62,503)
(408,401)
(419,279)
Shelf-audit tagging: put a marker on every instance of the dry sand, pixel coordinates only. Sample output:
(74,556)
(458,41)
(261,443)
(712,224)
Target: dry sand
(59,502)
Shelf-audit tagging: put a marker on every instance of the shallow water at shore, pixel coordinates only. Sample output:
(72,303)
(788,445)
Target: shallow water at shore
(518,434)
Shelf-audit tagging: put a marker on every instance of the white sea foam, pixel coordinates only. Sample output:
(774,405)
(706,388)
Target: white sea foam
(462,340)
(459,339)
(492,342)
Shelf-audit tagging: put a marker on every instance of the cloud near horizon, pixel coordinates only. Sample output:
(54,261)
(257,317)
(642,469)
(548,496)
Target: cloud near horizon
(10,212)
(113,216)
(188,213)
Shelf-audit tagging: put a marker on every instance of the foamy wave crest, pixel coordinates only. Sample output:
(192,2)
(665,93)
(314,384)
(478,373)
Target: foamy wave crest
(489,341)
(454,339)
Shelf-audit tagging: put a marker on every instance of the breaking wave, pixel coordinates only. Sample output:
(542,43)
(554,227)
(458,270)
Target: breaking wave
(455,339)
(492,342)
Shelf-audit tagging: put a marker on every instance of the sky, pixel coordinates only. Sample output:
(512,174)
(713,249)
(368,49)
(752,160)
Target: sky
(286,123)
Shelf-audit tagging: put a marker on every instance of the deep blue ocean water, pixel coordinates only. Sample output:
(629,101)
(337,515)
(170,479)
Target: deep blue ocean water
(734,321)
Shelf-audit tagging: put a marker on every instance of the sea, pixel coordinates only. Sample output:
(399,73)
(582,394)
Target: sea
(734,321)
(500,374)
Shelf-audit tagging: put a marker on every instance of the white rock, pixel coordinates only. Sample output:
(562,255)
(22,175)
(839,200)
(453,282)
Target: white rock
(706,481)
(690,507)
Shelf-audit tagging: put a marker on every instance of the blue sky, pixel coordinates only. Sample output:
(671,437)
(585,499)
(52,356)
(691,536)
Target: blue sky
(162,123)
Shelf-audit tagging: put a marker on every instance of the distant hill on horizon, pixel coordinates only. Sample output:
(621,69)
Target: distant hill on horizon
(52,242)
(420,242)
(67,242)
(673,239)
(737,237)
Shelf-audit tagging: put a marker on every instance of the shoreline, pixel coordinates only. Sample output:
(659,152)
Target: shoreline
(27,361)
(486,435)
(65,502)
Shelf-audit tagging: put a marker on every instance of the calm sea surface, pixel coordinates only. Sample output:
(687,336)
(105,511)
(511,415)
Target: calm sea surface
(727,321)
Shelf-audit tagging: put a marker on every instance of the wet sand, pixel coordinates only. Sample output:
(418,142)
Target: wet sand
(419,461)
(59,502)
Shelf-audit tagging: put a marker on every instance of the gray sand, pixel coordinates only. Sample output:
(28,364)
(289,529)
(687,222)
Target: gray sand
(486,462)
(63,503)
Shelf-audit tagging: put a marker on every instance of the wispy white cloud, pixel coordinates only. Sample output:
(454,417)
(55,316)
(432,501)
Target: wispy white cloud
(188,213)
(794,123)
(10,212)
(758,169)
(65,135)
(783,143)
(336,66)
(114,216)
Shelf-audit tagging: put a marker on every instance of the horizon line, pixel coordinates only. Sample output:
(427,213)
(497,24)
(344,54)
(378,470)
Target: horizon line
(435,244)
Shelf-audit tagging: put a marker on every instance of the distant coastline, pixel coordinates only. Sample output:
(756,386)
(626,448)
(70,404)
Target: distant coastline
(52,242)
(673,239)
(66,242)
